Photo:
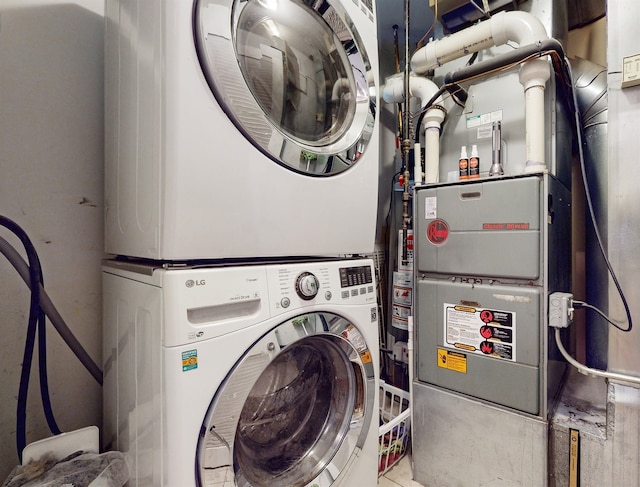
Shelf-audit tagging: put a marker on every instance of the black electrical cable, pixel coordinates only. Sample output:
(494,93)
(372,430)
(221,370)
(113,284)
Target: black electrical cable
(582,304)
(592,215)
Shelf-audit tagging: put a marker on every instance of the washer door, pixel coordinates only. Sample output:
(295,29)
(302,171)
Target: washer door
(293,411)
(292,76)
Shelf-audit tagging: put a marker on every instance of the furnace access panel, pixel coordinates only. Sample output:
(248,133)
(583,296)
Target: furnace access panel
(485,254)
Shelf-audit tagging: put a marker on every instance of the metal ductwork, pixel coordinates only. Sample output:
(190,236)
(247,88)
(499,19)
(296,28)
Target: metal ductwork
(590,81)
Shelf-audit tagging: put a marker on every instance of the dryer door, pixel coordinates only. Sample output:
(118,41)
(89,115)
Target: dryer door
(294,410)
(292,76)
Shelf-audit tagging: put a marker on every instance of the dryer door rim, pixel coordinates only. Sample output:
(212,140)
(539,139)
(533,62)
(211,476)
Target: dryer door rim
(217,456)
(232,41)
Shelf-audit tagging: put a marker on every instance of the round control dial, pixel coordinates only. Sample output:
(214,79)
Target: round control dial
(307,286)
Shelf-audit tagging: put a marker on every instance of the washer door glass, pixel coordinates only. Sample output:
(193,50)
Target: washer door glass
(294,409)
(292,76)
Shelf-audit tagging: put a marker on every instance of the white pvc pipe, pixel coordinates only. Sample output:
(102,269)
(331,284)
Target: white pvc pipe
(533,77)
(519,27)
(419,87)
(534,133)
(423,89)
(417,164)
(432,154)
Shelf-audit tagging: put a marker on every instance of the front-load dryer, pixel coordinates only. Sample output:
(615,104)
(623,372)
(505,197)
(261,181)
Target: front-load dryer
(240,129)
(256,376)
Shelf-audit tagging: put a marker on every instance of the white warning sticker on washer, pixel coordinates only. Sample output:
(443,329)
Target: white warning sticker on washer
(482,331)
(430,207)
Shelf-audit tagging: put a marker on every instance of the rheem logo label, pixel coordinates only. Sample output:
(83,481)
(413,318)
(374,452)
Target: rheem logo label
(438,232)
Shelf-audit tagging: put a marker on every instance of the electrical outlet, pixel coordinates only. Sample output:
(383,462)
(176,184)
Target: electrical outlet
(560,310)
(631,71)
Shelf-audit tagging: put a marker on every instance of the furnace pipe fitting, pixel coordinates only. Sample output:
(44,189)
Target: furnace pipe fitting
(425,90)
(534,75)
(522,28)
(519,27)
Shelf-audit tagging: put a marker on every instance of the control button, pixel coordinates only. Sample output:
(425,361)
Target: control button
(345,294)
(363,290)
(328,295)
(307,286)
(354,292)
(285,302)
(370,289)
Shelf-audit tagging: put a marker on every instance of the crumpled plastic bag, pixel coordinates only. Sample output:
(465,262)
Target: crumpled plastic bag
(77,470)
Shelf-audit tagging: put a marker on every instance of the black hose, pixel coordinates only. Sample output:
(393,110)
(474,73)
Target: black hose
(425,108)
(503,60)
(44,377)
(34,312)
(53,314)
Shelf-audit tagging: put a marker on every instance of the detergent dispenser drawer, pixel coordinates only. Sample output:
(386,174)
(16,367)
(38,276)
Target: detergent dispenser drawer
(489,228)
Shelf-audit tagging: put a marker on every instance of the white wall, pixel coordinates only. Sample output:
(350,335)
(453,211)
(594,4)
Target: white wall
(51,166)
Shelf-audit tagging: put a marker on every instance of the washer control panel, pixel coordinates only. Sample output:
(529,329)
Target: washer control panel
(292,286)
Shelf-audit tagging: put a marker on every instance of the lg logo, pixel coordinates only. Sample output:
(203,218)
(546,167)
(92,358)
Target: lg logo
(191,283)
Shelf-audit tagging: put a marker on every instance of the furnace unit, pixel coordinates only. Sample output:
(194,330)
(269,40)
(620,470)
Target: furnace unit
(487,255)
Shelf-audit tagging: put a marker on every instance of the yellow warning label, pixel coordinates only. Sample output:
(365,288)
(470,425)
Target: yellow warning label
(450,360)
(466,309)
(366,357)
(574,458)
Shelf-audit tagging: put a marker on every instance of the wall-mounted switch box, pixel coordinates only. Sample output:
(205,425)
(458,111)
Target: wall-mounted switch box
(631,71)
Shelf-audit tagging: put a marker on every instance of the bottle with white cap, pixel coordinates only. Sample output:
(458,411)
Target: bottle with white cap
(463,164)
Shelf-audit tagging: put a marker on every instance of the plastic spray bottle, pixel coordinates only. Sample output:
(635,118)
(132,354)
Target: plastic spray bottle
(474,163)
(463,164)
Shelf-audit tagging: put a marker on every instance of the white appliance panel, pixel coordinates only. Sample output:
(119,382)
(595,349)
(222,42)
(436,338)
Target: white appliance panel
(159,386)
(183,183)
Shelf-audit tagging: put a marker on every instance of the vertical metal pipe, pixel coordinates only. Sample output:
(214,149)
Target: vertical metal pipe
(406,141)
(396,52)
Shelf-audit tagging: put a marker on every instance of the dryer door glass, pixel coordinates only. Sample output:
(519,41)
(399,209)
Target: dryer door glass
(295,408)
(292,76)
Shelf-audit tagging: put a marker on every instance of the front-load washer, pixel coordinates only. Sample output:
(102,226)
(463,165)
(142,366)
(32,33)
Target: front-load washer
(262,375)
(240,129)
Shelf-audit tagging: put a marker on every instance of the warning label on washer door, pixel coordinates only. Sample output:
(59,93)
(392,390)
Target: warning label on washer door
(482,331)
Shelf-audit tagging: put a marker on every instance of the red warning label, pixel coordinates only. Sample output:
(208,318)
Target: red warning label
(505,226)
(438,232)
(481,331)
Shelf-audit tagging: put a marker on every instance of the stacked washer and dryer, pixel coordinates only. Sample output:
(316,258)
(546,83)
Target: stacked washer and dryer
(240,320)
